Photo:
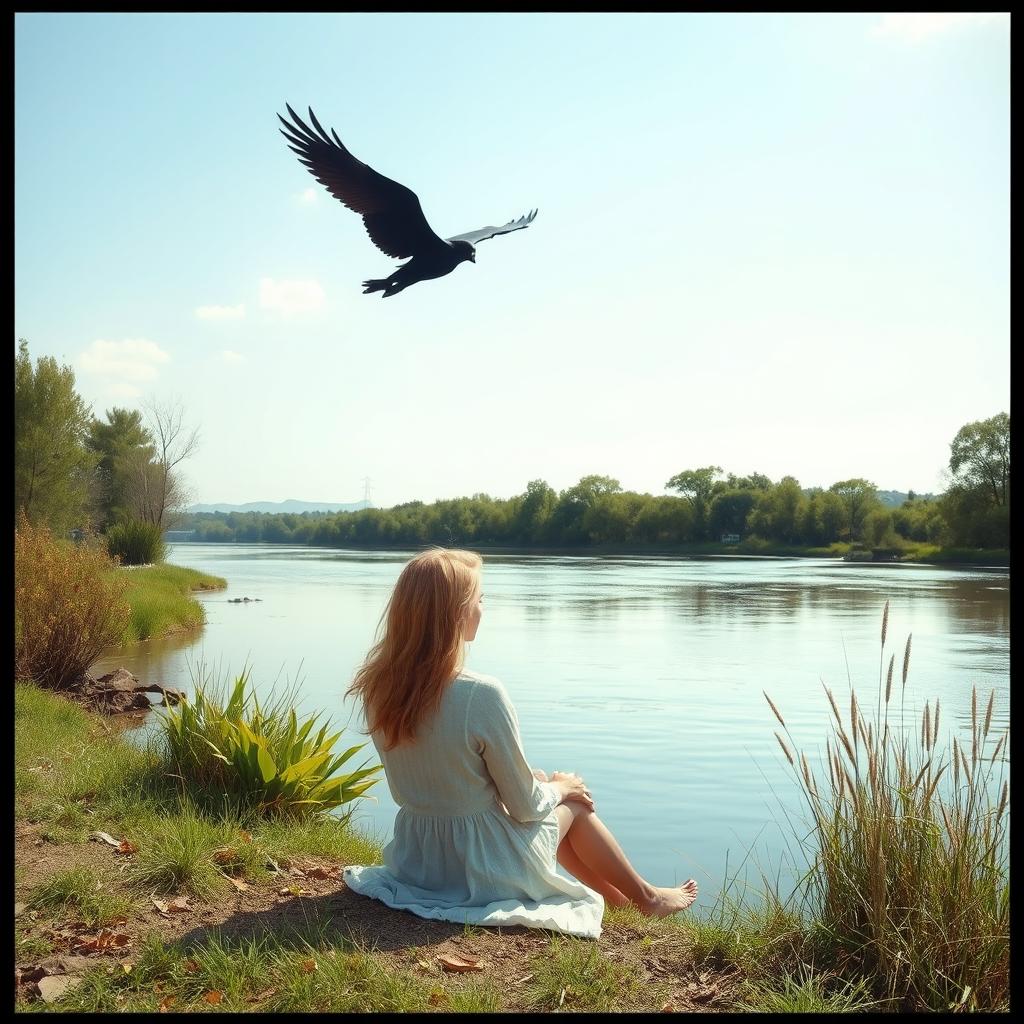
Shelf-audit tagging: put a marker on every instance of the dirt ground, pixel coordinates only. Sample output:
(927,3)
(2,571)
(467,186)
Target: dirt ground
(406,941)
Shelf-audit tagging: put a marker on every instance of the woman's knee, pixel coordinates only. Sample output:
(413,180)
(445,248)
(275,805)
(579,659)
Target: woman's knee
(567,814)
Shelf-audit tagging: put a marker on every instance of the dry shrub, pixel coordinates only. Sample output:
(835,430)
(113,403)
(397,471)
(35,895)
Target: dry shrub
(69,606)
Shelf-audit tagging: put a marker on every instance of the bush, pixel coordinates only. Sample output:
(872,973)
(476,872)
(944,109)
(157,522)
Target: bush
(136,543)
(68,606)
(262,757)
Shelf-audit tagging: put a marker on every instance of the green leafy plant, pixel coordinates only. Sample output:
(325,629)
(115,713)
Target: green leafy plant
(136,543)
(261,755)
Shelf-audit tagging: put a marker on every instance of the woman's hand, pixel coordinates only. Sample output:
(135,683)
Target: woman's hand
(572,787)
(540,776)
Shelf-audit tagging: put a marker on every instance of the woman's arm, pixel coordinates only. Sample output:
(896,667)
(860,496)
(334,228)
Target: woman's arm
(494,726)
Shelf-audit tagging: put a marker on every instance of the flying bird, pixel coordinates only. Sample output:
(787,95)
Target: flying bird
(391,212)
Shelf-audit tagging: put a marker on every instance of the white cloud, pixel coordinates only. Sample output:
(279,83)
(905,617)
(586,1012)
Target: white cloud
(291,296)
(122,365)
(918,25)
(227,356)
(220,312)
(308,196)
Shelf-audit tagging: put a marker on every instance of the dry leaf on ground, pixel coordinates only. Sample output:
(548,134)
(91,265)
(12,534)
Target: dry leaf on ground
(127,847)
(214,997)
(460,963)
(106,940)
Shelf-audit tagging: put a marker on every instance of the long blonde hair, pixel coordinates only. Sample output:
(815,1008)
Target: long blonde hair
(420,648)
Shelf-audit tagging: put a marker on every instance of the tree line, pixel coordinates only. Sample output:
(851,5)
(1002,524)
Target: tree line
(708,505)
(74,470)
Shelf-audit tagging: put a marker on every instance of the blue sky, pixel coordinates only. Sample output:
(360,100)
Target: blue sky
(766,242)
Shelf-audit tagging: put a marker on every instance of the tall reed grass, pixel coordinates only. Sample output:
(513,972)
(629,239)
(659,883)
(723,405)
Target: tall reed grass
(909,884)
(133,542)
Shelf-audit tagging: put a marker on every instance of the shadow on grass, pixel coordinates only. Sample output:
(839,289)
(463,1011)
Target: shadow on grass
(340,918)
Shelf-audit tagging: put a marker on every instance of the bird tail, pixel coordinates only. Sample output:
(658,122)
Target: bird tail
(388,286)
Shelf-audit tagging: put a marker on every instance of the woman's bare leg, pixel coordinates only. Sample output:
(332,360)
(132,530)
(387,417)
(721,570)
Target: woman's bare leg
(602,858)
(570,860)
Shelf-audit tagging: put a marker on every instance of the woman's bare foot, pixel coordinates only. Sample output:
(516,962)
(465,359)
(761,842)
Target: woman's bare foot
(663,902)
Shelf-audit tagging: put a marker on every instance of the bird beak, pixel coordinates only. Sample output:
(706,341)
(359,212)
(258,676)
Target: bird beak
(472,259)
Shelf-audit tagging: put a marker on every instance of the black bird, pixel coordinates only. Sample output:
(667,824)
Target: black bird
(391,212)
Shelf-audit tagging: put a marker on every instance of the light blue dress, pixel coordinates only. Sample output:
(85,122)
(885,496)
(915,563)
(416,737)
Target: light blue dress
(476,834)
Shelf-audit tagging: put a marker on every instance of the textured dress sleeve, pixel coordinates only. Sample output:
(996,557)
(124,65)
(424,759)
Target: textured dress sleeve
(493,726)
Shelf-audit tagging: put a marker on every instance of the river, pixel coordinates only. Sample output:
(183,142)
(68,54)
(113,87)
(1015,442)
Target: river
(645,675)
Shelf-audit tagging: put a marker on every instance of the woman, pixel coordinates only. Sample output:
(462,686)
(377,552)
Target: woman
(478,832)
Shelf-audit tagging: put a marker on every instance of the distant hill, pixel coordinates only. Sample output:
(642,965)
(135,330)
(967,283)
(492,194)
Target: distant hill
(288,505)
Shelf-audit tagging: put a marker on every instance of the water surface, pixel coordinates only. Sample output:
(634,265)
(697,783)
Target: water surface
(644,675)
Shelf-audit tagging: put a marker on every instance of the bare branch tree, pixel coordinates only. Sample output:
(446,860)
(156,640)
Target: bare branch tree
(158,493)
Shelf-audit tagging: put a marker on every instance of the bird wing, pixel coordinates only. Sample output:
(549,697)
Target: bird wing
(391,212)
(482,234)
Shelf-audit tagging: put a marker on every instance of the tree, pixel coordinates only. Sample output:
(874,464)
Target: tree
(535,509)
(754,482)
(118,443)
(729,511)
(859,496)
(157,493)
(566,523)
(779,511)
(697,485)
(980,457)
(53,467)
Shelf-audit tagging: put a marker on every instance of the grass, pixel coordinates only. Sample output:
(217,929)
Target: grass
(910,875)
(79,890)
(806,993)
(272,974)
(572,974)
(161,602)
(177,855)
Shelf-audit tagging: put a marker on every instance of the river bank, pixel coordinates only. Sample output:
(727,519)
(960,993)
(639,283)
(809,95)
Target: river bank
(913,553)
(121,905)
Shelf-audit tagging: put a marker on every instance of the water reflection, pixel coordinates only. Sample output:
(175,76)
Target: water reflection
(646,675)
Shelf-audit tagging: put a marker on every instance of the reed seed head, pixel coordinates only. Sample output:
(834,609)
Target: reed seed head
(775,709)
(832,701)
(789,756)
(968,774)
(999,746)
(935,728)
(926,732)
(885,621)
(906,658)
(888,679)
(988,713)
(847,746)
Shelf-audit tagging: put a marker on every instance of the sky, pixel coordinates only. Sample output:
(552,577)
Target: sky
(767,242)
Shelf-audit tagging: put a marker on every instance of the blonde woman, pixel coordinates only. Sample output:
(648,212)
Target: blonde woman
(478,832)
